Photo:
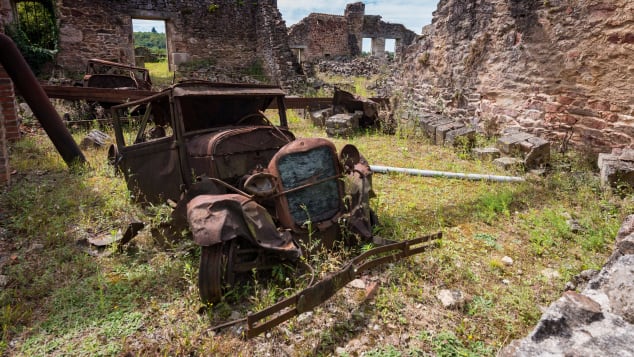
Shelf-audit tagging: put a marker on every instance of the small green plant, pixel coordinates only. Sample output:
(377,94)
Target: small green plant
(488,239)
(212,8)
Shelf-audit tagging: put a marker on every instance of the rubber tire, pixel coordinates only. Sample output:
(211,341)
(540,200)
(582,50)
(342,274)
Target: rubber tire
(211,273)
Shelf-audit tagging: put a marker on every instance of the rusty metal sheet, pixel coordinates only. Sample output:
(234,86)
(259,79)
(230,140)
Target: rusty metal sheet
(219,218)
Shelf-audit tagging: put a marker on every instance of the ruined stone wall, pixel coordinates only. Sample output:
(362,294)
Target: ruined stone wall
(227,33)
(560,69)
(322,35)
(325,35)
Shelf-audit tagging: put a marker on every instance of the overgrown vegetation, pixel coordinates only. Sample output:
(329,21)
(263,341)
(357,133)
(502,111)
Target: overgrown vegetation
(35,33)
(154,41)
(59,300)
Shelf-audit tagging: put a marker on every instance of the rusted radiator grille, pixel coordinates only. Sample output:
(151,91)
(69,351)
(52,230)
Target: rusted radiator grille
(316,202)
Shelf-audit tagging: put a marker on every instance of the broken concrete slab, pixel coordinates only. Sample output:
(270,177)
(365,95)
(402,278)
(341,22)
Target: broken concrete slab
(486,154)
(614,171)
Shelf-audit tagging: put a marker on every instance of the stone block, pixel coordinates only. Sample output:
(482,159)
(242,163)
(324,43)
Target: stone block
(319,117)
(510,143)
(486,154)
(342,125)
(615,172)
(461,136)
(442,130)
(538,154)
(508,163)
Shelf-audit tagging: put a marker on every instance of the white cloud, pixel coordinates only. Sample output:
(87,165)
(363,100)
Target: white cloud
(414,14)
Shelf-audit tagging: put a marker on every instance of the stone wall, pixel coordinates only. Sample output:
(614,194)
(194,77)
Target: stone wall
(559,69)
(320,36)
(228,34)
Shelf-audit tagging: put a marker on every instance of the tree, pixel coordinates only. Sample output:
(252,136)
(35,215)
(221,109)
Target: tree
(154,30)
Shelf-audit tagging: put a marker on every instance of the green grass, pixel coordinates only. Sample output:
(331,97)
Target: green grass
(61,301)
(161,76)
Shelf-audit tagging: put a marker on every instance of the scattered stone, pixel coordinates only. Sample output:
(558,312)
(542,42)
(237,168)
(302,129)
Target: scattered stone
(357,284)
(570,286)
(574,225)
(235,315)
(305,317)
(509,163)
(451,299)
(340,351)
(508,261)
(25,111)
(35,247)
(486,154)
(4,280)
(506,281)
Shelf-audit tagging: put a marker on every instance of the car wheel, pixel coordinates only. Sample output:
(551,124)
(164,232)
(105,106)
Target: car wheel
(211,273)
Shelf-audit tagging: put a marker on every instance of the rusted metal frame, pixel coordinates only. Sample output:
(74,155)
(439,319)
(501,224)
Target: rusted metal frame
(282,110)
(179,134)
(314,295)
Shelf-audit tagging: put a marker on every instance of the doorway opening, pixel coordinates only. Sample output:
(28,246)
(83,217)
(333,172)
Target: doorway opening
(151,49)
(366,46)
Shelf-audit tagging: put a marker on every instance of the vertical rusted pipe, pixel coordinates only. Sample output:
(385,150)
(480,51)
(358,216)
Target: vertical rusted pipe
(30,89)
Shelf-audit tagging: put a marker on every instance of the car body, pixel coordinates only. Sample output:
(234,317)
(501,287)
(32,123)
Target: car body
(251,193)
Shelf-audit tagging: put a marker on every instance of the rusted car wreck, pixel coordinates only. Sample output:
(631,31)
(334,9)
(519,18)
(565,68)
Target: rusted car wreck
(249,190)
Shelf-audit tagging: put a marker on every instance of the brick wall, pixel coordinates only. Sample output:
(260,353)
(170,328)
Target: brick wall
(8,124)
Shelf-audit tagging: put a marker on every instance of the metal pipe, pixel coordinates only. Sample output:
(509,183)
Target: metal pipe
(32,92)
(457,175)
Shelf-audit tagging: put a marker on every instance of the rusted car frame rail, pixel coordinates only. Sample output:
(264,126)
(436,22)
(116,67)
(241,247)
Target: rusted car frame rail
(315,295)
